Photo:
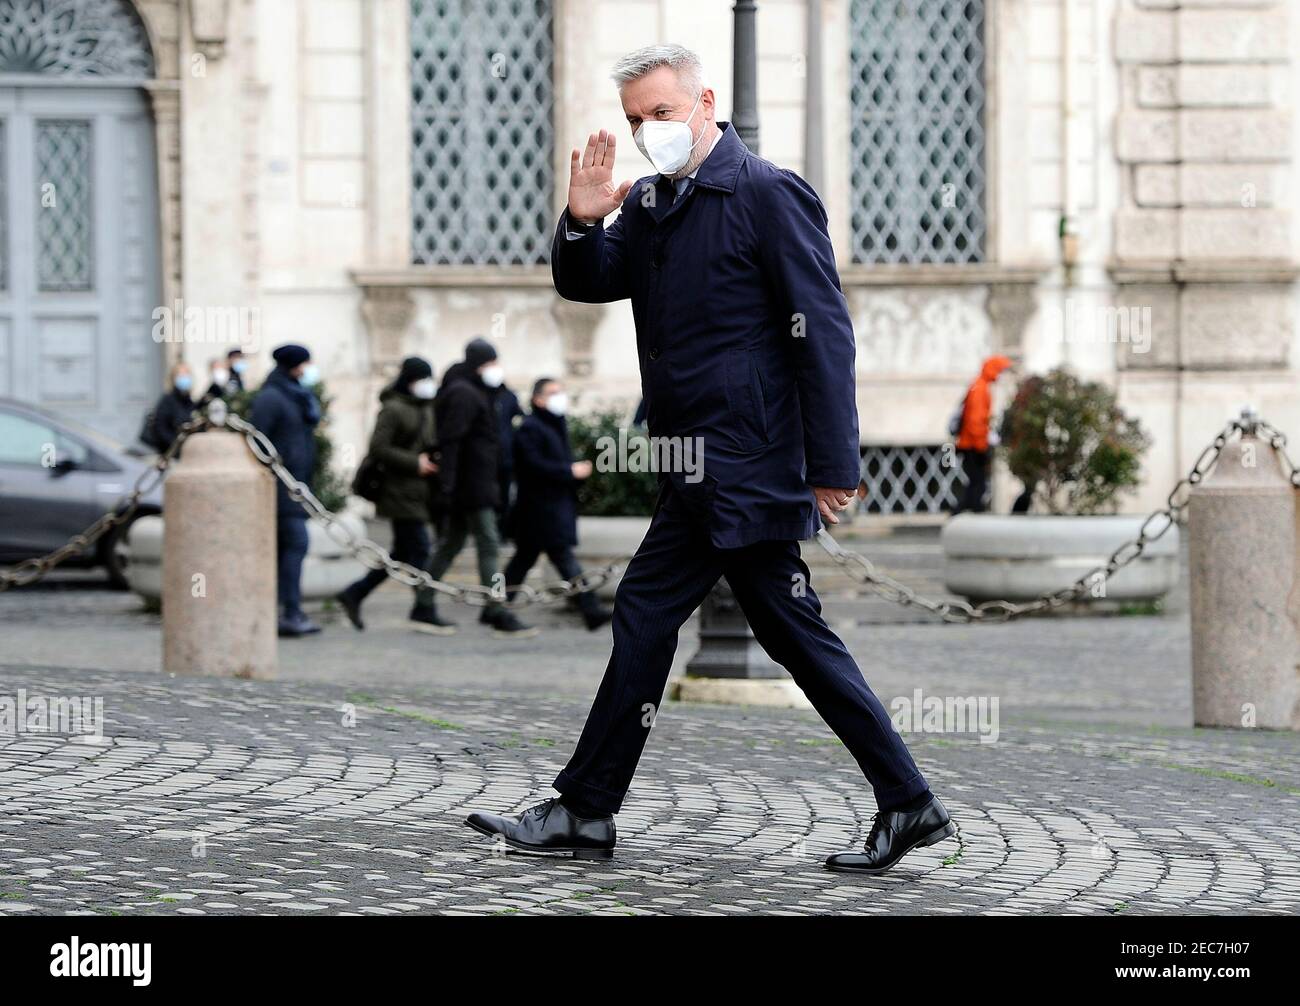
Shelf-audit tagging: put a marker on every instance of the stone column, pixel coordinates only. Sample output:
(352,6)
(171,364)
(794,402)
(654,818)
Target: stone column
(165,99)
(218,568)
(1204,233)
(1242,524)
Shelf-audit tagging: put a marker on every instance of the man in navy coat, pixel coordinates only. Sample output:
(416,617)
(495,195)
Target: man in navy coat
(746,349)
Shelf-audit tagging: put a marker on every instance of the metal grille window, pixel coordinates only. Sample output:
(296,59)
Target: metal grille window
(917,132)
(910,479)
(482,99)
(4,201)
(73,38)
(63,223)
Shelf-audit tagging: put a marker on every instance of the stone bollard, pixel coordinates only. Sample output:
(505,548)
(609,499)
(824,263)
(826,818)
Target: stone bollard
(1242,530)
(218,569)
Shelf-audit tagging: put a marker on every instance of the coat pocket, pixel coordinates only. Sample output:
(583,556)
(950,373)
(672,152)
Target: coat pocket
(745,401)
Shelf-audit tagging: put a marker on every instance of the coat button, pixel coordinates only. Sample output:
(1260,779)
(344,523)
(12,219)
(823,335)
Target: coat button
(654,352)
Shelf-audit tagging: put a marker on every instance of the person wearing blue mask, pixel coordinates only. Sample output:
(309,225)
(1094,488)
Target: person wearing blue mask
(287,411)
(174,410)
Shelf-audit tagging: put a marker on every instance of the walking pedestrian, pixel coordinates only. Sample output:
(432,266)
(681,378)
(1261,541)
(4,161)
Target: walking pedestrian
(220,381)
(718,251)
(546,510)
(237,364)
(469,438)
(174,408)
(976,439)
(401,451)
(509,414)
(286,410)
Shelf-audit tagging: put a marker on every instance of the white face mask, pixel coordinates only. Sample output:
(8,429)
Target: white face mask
(424,388)
(493,375)
(558,404)
(668,145)
(310,376)
(220,377)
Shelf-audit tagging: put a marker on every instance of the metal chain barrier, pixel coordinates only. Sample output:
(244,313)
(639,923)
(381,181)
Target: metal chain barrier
(367,552)
(859,567)
(1158,522)
(1277,440)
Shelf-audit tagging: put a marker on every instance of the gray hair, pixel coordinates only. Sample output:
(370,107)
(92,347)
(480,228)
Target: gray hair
(687,65)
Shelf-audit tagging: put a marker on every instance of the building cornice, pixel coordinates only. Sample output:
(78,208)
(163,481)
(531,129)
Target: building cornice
(453,276)
(1228,271)
(974,274)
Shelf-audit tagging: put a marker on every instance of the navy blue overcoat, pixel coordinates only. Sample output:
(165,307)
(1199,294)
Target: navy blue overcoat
(742,331)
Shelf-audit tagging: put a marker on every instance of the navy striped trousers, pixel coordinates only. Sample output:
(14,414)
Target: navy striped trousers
(673,570)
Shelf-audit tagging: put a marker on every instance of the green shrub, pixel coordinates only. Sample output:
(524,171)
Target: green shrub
(613,493)
(1069,439)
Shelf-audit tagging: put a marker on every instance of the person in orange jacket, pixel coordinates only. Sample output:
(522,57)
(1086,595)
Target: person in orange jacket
(973,439)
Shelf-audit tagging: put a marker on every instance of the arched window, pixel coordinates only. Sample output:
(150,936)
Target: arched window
(74,38)
(482,98)
(917,131)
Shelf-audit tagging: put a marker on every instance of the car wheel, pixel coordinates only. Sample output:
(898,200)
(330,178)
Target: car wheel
(113,553)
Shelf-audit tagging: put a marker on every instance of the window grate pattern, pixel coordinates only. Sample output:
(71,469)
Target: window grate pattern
(910,479)
(917,132)
(74,38)
(64,232)
(482,99)
(4,204)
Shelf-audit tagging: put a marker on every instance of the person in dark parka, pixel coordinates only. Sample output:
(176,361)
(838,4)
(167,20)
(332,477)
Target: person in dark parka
(746,349)
(469,472)
(287,411)
(403,445)
(546,510)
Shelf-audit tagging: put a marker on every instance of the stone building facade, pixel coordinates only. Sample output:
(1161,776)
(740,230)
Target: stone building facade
(1103,183)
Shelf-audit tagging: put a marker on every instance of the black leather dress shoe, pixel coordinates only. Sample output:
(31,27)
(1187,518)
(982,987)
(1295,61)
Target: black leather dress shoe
(894,834)
(549,827)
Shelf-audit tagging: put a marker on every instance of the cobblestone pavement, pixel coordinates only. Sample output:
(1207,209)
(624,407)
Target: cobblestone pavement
(227,797)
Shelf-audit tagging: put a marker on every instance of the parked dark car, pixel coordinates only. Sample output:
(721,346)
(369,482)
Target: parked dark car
(56,479)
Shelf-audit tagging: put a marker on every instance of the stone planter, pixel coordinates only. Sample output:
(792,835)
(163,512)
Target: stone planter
(327,569)
(1017,558)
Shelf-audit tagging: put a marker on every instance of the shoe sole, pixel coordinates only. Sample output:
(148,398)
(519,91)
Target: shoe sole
(434,630)
(934,838)
(601,854)
(518,633)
